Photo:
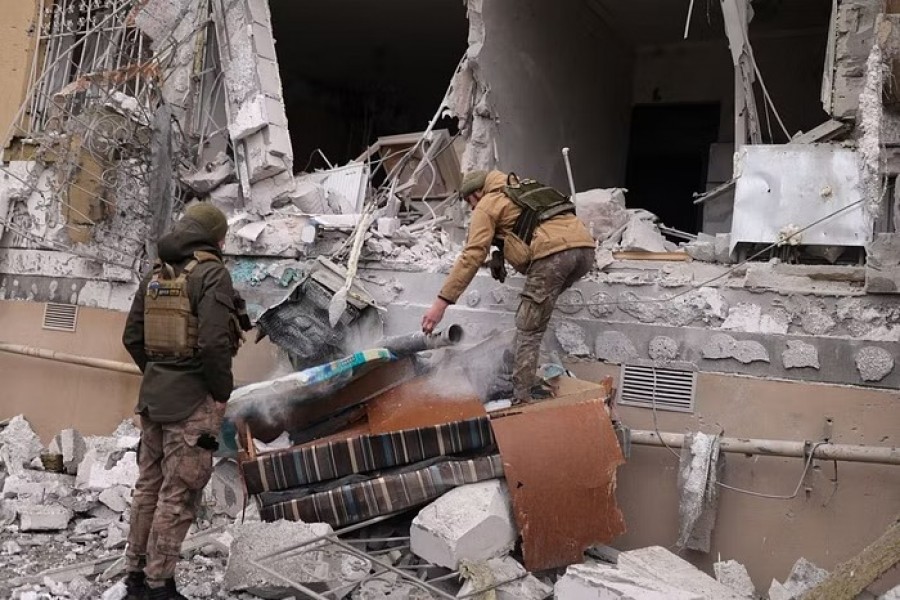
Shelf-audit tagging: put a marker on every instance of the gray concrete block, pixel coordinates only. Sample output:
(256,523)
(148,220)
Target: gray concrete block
(71,445)
(735,575)
(38,485)
(269,77)
(656,561)
(321,569)
(43,518)
(19,445)
(101,469)
(496,570)
(469,523)
(596,581)
(264,42)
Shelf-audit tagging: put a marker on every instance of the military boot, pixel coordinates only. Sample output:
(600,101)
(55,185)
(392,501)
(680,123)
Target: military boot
(166,592)
(135,586)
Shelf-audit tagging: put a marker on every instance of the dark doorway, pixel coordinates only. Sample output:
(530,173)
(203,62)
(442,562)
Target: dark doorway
(668,159)
(355,70)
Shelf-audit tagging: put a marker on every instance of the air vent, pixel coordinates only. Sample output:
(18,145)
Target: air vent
(668,389)
(60,317)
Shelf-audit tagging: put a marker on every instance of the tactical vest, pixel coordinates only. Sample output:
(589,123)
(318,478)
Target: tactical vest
(170,325)
(538,202)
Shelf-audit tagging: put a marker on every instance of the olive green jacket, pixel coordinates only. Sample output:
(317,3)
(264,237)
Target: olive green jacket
(173,388)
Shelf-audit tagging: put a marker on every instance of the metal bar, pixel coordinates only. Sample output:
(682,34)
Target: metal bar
(424,584)
(74,359)
(791,449)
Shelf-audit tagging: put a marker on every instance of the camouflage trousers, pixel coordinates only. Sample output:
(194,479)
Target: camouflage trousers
(546,279)
(173,472)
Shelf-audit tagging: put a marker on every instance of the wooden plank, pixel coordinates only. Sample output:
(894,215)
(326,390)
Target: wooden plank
(666,256)
(852,577)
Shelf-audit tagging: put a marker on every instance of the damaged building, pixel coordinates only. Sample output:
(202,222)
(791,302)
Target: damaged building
(736,162)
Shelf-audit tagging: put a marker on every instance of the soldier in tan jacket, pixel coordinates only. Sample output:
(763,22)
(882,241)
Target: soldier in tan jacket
(557,250)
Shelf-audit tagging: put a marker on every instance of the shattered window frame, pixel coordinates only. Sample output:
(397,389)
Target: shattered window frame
(81,43)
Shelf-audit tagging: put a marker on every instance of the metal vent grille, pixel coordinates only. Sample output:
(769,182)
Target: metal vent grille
(669,389)
(60,317)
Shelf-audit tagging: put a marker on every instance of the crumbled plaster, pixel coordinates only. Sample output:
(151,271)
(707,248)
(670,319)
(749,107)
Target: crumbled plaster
(614,347)
(572,339)
(663,348)
(799,355)
(874,363)
(749,318)
(721,346)
(871,110)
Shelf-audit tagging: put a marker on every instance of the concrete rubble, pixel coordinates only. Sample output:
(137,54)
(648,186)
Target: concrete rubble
(470,523)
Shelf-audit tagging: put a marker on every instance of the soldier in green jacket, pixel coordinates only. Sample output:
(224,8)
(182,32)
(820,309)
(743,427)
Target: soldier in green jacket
(182,331)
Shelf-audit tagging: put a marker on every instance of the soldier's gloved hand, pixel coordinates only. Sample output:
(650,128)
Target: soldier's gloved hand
(240,307)
(498,266)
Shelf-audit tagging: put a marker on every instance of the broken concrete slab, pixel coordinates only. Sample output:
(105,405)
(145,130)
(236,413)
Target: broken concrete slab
(38,485)
(35,517)
(70,444)
(602,211)
(472,522)
(19,444)
(226,489)
(116,535)
(211,175)
(598,581)
(522,586)
(735,575)
(641,235)
(697,476)
(101,469)
(656,561)
(804,576)
(321,568)
(117,498)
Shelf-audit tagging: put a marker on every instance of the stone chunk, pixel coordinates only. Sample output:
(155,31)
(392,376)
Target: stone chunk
(656,561)
(472,522)
(117,498)
(571,338)
(210,176)
(663,348)
(615,347)
(481,576)
(642,235)
(70,444)
(874,363)
(19,444)
(722,346)
(38,485)
(322,568)
(102,469)
(43,518)
(596,581)
(804,576)
(226,490)
(799,355)
(735,575)
(602,211)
